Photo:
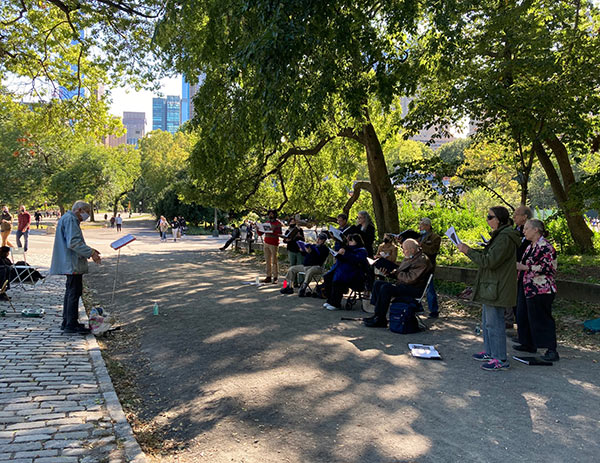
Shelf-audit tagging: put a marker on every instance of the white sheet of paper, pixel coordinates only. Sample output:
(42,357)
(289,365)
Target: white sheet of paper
(424,351)
(336,233)
(263,227)
(333,253)
(451,233)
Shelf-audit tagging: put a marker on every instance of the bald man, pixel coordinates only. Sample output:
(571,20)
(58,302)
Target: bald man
(411,278)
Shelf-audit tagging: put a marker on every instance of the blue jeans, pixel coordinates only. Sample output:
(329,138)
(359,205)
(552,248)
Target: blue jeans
(26,235)
(432,302)
(494,331)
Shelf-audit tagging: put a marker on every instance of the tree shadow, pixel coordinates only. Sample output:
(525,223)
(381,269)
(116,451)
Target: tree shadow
(239,370)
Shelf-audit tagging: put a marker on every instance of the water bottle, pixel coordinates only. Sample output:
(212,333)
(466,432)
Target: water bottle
(257,281)
(477,330)
(155,308)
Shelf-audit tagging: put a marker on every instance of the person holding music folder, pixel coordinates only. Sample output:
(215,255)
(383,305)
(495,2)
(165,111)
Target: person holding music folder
(291,238)
(69,257)
(411,277)
(388,249)
(430,243)
(495,285)
(349,271)
(271,246)
(315,256)
(343,228)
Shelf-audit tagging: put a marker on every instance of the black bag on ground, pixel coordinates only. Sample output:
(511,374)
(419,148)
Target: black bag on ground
(402,316)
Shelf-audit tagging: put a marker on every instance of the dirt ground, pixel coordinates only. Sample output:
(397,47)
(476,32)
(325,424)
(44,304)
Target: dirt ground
(230,372)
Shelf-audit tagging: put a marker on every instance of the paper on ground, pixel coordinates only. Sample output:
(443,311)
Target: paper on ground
(424,351)
(451,233)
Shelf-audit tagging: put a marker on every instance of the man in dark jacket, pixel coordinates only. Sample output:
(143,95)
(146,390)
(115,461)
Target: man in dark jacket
(411,276)
(430,244)
(521,215)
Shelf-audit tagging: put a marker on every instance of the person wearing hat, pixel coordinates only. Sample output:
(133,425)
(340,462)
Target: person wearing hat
(314,258)
(430,244)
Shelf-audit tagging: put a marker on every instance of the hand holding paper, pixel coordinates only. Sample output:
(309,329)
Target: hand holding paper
(451,233)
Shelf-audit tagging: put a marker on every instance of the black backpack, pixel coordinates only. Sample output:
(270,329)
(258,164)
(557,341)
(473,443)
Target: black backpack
(402,316)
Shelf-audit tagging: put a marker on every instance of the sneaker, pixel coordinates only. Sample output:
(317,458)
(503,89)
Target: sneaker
(482,357)
(328,306)
(287,290)
(551,356)
(495,365)
(274,280)
(433,315)
(266,280)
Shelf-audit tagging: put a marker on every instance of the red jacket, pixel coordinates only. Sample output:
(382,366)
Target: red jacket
(24,219)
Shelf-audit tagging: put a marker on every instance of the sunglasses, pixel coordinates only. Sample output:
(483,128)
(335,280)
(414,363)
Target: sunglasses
(490,217)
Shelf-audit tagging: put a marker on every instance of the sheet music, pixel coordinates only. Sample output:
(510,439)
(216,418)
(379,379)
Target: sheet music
(123,241)
(451,233)
(336,233)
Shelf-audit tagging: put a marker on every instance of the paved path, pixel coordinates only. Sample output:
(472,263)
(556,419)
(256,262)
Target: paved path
(57,403)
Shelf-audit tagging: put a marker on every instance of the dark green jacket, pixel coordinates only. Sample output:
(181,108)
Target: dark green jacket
(496,282)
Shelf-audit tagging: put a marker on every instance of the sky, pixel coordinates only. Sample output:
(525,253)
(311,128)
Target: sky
(126,99)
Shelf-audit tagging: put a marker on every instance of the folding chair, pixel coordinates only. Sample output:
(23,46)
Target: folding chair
(17,255)
(3,293)
(419,300)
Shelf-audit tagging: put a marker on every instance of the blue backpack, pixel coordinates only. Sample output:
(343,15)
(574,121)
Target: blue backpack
(402,316)
(592,326)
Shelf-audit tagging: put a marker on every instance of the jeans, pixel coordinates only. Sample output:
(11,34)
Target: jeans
(384,292)
(24,234)
(432,301)
(494,331)
(74,290)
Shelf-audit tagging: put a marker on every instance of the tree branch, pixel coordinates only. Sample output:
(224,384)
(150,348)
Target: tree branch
(358,187)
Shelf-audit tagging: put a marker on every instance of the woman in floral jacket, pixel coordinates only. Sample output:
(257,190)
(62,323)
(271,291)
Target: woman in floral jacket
(537,289)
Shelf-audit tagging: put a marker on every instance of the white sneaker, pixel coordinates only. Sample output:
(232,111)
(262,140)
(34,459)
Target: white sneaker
(330,307)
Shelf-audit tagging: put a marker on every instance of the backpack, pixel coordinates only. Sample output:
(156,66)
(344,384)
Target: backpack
(592,326)
(402,316)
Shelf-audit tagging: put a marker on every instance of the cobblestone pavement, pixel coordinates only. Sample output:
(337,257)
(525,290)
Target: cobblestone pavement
(57,402)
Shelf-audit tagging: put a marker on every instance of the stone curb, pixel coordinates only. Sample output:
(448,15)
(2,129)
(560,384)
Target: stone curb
(123,431)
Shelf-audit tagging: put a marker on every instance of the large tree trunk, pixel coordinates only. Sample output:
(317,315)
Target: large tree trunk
(92,217)
(382,191)
(581,233)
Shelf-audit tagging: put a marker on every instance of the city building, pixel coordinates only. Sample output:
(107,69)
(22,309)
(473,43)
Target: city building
(166,113)
(135,124)
(188,91)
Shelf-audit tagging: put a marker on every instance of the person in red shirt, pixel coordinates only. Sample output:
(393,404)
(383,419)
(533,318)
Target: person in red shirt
(271,247)
(24,219)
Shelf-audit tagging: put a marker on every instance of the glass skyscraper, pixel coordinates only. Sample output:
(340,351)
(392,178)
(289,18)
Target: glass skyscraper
(188,91)
(166,113)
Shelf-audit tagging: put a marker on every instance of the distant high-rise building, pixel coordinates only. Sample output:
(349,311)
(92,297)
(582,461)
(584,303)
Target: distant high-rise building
(135,123)
(188,91)
(173,113)
(159,114)
(166,113)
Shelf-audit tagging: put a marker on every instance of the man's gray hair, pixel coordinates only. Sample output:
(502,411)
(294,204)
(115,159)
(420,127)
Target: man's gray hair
(426,221)
(81,205)
(525,210)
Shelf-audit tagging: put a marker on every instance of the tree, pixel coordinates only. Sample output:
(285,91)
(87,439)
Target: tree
(526,69)
(284,79)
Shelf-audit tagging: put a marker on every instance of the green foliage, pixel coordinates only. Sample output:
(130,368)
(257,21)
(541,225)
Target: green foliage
(169,205)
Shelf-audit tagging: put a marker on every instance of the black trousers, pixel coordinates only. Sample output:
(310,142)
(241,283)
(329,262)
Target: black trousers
(334,290)
(74,290)
(535,324)
(384,292)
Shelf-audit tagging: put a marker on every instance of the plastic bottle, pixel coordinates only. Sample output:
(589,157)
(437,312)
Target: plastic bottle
(155,308)
(477,330)
(257,281)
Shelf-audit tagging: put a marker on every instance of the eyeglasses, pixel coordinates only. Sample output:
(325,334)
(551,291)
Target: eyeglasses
(490,217)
